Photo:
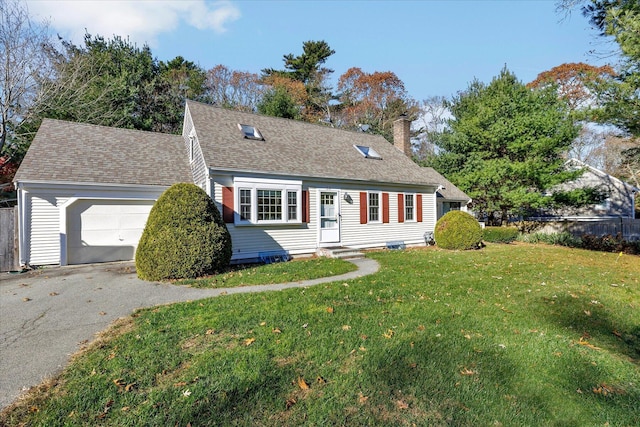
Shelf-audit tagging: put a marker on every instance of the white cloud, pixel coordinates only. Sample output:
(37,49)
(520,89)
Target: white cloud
(141,21)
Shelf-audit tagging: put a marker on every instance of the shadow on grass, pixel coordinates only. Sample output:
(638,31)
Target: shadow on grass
(597,325)
(457,381)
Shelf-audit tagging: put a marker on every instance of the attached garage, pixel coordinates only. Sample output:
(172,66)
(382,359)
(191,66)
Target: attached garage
(85,191)
(105,230)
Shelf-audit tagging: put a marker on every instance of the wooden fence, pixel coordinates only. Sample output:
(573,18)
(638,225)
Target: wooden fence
(9,239)
(628,228)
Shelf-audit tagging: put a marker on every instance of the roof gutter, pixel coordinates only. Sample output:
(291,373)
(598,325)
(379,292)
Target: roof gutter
(214,171)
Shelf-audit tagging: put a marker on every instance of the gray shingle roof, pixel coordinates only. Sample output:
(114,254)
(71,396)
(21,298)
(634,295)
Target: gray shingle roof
(76,152)
(297,148)
(450,191)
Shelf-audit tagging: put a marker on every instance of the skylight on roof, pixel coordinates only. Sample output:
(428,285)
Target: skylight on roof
(368,152)
(250,132)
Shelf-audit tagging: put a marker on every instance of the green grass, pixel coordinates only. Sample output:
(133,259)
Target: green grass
(508,335)
(281,272)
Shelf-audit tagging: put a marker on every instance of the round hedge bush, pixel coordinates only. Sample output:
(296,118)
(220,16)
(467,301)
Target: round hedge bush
(458,230)
(184,237)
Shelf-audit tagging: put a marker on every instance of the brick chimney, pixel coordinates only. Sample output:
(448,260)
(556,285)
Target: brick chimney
(401,135)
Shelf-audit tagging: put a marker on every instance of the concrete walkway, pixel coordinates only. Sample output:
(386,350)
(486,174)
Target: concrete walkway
(49,314)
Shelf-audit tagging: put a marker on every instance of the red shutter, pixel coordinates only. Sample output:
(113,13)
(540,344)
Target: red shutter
(419,207)
(385,208)
(363,208)
(305,206)
(400,207)
(227,204)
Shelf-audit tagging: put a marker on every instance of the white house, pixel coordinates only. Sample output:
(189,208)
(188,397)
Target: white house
(85,191)
(620,201)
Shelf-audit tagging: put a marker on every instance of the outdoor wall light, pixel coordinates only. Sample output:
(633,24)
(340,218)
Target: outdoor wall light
(347,198)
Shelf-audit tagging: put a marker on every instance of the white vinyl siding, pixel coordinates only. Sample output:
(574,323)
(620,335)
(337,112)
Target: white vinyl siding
(192,149)
(302,238)
(356,235)
(44,230)
(295,237)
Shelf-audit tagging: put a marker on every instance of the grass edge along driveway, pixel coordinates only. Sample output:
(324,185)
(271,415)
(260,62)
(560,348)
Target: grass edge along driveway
(508,335)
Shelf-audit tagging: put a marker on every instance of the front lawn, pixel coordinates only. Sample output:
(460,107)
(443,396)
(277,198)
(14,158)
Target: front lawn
(267,274)
(508,335)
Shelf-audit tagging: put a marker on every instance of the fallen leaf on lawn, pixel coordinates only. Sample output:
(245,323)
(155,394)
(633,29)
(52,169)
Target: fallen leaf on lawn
(616,333)
(362,399)
(330,310)
(263,323)
(467,372)
(186,393)
(35,409)
(210,332)
(119,382)
(290,402)
(276,331)
(587,344)
(130,387)
(125,409)
(346,327)
(302,384)
(587,312)
(388,334)
(401,404)
(249,341)
(180,384)
(106,409)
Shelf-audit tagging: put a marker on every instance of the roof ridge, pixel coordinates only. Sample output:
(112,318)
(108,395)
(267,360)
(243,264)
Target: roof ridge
(300,122)
(84,124)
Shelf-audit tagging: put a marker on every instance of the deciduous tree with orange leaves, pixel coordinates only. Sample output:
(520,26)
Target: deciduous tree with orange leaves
(375,99)
(576,82)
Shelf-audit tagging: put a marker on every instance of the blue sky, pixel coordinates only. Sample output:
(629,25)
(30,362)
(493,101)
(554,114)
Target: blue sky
(434,47)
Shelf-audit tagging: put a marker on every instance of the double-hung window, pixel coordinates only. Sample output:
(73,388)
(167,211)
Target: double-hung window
(265,201)
(374,207)
(409,207)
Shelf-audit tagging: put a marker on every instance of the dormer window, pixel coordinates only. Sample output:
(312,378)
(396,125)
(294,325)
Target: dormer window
(250,132)
(368,152)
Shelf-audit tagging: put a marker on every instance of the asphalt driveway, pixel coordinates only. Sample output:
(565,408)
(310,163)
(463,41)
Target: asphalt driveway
(49,314)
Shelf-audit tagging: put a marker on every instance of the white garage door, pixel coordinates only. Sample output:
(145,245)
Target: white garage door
(105,230)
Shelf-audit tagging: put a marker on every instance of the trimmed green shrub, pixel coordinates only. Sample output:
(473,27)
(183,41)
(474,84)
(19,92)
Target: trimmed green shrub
(184,237)
(458,230)
(500,234)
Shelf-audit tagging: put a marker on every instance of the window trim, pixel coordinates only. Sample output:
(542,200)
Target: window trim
(379,207)
(285,187)
(413,198)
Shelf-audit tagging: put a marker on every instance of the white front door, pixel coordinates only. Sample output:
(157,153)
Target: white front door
(329,209)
